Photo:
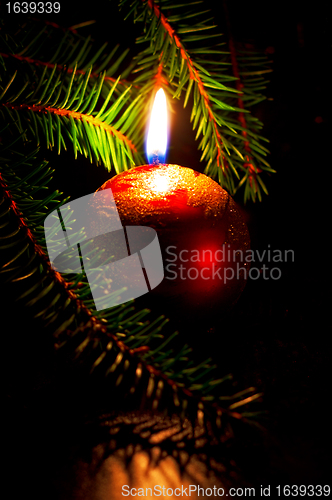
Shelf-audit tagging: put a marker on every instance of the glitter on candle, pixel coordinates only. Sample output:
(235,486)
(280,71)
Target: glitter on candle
(160,183)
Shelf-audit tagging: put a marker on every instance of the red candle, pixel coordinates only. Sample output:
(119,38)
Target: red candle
(201,232)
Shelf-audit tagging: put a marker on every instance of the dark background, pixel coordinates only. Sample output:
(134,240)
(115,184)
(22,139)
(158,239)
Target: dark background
(277,336)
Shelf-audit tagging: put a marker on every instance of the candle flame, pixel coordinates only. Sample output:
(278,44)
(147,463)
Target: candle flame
(157,134)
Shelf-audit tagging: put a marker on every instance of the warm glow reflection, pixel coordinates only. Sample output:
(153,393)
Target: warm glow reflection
(160,182)
(157,134)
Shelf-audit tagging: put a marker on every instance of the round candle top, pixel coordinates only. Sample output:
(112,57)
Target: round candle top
(158,195)
(196,220)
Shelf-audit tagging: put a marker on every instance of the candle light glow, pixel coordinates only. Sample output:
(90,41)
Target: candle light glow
(156,143)
(192,215)
(160,182)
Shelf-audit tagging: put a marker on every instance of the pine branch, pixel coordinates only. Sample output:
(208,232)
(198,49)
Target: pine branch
(48,304)
(219,98)
(130,329)
(46,44)
(176,47)
(70,70)
(251,177)
(94,121)
(59,108)
(191,72)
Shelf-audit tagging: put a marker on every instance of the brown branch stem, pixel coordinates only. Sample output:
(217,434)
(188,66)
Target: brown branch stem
(239,86)
(59,66)
(194,75)
(77,116)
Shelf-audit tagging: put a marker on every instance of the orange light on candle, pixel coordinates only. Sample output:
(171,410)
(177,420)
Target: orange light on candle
(160,182)
(156,143)
(195,220)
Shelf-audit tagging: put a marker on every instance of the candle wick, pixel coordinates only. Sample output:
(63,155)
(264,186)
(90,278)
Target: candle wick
(155,159)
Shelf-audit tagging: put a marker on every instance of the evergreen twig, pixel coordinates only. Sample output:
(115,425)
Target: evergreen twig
(209,77)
